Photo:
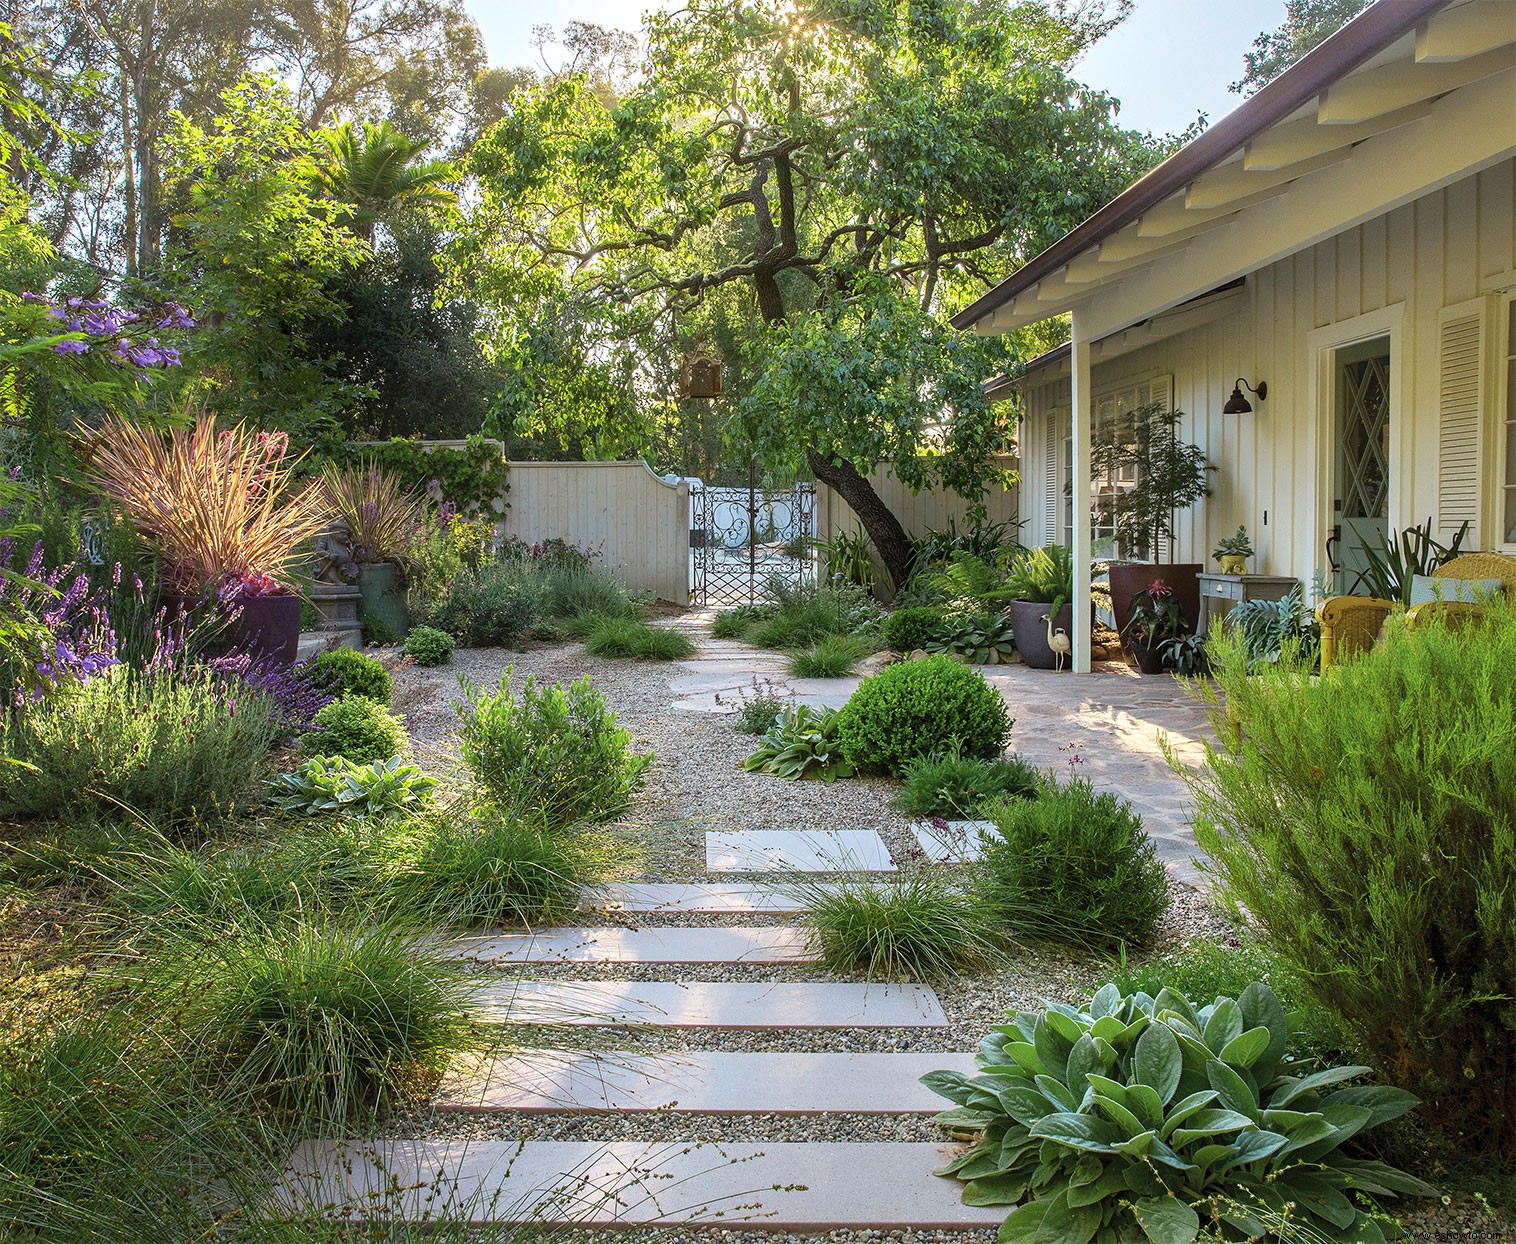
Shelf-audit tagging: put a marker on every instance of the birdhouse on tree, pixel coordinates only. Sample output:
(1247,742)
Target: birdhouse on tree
(700,375)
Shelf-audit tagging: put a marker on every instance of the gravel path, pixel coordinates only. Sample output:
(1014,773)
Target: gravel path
(697,784)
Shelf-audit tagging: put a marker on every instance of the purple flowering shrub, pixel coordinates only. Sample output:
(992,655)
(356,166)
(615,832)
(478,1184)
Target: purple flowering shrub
(296,692)
(93,326)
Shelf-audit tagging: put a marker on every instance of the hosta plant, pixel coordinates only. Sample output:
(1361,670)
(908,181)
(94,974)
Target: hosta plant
(1151,1119)
(801,744)
(980,638)
(335,784)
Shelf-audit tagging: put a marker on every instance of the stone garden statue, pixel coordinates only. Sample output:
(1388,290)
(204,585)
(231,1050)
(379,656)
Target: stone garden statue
(334,555)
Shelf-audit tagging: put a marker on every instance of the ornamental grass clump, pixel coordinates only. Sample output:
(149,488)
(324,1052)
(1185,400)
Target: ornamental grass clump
(956,786)
(380,511)
(921,708)
(629,639)
(554,752)
(1153,1119)
(486,867)
(1365,821)
(1073,866)
(836,656)
(170,746)
(915,927)
(319,1016)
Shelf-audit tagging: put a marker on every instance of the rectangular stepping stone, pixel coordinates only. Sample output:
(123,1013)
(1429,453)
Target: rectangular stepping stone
(957,844)
(752,898)
(704,1083)
(784,944)
(713,1004)
(796,850)
(786,1185)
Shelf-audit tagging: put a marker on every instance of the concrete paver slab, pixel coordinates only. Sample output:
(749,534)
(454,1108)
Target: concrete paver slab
(955,843)
(782,1186)
(753,897)
(782,944)
(705,1082)
(797,850)
(713,1004)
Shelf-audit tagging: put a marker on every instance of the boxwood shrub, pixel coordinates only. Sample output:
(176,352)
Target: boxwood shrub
(906,630)
(346,671)
(921,708)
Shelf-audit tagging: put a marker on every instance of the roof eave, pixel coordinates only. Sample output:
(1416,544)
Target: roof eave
(1375,29)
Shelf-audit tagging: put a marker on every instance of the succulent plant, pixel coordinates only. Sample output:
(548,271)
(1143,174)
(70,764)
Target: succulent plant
(1149,1119)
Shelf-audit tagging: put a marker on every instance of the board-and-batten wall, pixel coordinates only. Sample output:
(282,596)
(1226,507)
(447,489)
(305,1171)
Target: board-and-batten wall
(1440,251)
(636,523)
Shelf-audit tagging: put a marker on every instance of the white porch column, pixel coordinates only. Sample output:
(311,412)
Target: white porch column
(1079,386)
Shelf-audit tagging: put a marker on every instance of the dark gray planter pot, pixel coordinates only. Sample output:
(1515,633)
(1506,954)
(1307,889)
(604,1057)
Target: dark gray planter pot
(1028,621)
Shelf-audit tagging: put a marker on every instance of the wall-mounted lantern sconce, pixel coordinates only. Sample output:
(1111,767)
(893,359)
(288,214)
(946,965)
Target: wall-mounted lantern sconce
(1239,405)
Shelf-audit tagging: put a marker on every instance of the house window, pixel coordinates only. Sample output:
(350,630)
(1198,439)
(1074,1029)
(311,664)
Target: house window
(1110,405)
(1508,458)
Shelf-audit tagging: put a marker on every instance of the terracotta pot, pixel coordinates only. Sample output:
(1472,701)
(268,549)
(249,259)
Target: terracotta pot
(383,609)
(1031,630)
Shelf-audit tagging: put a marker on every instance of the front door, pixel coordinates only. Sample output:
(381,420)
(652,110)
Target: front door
(1361,501)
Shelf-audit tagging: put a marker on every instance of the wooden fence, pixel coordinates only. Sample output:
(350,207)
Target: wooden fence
(917,512)
(637,524)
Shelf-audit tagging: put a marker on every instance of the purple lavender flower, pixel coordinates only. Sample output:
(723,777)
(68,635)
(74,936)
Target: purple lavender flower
(71,347)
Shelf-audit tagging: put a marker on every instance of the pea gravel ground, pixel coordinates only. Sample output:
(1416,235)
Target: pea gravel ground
(697,784)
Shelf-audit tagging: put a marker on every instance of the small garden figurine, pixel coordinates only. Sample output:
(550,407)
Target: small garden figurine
(1233,552)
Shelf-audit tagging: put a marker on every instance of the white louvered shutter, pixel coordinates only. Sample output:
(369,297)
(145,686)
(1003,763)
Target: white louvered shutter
(1052,484)
(1460,407)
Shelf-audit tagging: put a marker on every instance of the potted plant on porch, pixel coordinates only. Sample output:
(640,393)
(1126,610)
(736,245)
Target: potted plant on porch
(381,513)
(1168,475)
(221,512)
(1040,591)
(1156,620)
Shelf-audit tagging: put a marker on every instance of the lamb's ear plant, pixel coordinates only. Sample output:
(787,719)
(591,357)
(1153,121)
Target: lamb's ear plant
(1148,1118)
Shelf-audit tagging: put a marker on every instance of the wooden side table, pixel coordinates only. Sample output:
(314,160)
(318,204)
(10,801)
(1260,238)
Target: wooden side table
(1233,588)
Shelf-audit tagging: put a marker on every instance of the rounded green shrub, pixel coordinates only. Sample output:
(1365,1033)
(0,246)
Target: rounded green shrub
(920,708)
(343,672)
(1073,866)
(551,752)
(428,646)
(357,729)
(906,630)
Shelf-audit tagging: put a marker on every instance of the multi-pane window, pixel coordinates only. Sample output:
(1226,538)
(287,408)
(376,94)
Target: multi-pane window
(1111,406)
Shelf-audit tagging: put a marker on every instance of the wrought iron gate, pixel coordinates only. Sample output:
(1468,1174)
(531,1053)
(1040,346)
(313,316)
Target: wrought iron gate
(742,537)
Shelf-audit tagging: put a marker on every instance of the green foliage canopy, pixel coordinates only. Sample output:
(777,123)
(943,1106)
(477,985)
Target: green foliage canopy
(853,167)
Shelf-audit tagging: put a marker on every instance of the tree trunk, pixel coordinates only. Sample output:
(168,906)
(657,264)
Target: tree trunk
(883,528)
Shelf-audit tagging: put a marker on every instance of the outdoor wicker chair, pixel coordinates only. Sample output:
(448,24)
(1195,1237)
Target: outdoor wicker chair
(1351,624)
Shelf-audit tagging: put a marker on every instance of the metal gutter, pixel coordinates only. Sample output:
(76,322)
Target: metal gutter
(1368,34)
